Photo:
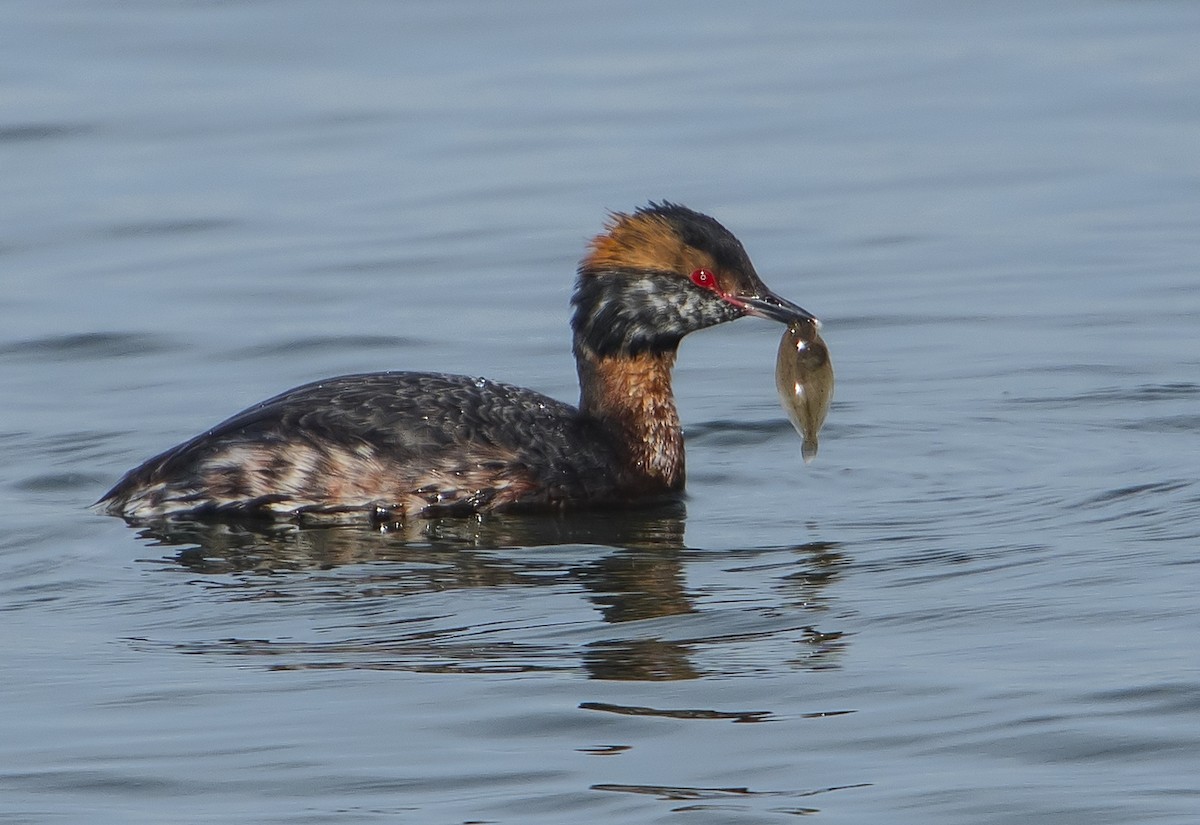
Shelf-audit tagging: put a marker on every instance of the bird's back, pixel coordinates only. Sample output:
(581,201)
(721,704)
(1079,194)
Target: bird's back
(401,443)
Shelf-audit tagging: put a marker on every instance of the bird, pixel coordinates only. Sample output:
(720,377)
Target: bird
(406,445)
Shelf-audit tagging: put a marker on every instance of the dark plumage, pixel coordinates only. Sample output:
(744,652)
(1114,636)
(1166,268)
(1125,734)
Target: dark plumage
(399,444)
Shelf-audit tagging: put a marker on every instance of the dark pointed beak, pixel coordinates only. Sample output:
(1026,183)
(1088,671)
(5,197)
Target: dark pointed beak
(770,306)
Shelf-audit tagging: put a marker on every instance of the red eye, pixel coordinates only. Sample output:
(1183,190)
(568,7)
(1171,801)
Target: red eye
(704,279)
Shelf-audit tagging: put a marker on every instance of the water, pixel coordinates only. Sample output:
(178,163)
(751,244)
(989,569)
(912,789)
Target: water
(978,605)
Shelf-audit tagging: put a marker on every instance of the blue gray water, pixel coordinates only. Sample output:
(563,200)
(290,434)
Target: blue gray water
(978,605)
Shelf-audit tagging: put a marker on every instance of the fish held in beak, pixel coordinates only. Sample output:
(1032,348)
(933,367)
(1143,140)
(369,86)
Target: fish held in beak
(804,378)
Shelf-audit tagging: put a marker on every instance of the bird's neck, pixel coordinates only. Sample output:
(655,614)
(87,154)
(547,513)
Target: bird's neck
(630,397)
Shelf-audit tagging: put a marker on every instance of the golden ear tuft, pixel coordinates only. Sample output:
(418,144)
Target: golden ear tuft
(642,242)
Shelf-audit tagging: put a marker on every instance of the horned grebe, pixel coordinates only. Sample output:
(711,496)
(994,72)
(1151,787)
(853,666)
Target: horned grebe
(404,444)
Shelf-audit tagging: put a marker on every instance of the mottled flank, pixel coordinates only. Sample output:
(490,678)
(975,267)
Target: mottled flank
(391,443)
(396,445)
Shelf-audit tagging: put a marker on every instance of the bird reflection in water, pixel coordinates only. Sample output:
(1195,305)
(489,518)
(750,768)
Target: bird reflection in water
(631,564)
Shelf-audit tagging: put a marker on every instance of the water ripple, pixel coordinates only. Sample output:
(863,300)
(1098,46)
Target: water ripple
(326,344)
(89,346)
(41,132)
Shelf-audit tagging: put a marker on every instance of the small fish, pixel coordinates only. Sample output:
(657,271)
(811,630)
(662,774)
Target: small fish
(804,378)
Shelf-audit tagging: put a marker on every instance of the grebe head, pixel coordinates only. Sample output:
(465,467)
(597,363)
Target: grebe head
(660,273)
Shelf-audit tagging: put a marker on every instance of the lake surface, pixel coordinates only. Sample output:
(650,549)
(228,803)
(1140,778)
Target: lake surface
(979,603)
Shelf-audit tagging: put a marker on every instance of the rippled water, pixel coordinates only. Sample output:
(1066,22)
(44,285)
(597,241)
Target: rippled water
(978,605)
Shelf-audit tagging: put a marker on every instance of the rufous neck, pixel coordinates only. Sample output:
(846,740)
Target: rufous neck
(630,396)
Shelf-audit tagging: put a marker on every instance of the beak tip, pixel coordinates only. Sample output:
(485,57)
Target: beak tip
(774,308)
